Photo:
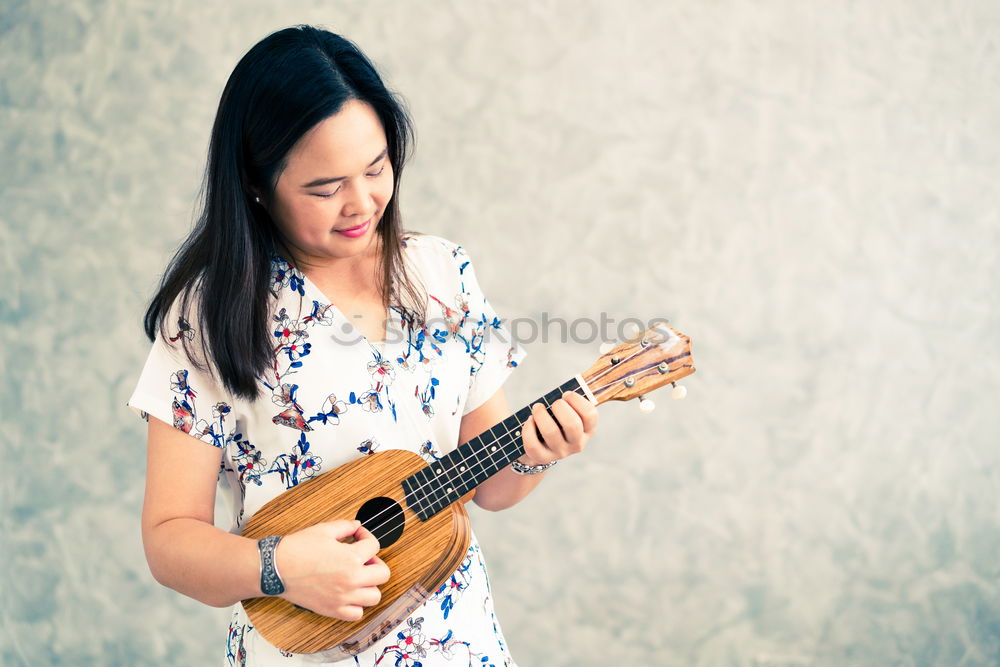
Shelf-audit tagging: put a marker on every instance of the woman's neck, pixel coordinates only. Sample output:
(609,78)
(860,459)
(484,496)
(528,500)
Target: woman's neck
(356,274)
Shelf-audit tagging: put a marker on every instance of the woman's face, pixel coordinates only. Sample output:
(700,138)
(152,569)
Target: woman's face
(335,188)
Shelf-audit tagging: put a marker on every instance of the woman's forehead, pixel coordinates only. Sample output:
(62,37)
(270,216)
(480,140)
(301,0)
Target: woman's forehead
(342,145)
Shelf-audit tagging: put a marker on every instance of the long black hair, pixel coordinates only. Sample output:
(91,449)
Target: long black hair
(287,83)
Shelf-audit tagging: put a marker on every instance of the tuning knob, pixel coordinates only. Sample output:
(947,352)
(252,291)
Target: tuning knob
(679,392)
(645,405)
(606,347)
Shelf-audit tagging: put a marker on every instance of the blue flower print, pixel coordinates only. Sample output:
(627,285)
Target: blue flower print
(249,461)
(451,590)
(179,384)
(284,395)
(368,447)
(295,352)
(284,274)
(235,652)
(331,411)
(427,396)
(322,314)
(428,452)
(287,330)
(409,646)
(381,372)
(297,466)
(370,402)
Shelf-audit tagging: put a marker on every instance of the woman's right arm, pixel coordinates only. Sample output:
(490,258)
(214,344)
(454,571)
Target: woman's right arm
(187,553)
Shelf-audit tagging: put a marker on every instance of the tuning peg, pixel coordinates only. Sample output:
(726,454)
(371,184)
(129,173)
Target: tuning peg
(645,405)
(606,347)
(679,392)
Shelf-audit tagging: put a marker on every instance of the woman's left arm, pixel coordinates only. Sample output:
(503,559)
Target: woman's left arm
(545,439)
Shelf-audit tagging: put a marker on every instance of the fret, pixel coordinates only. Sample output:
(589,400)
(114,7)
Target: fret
(551,397)
(438,480)
(412,500)
(513,448)
(465,466)
(522,415)
(514,422)
(495,457)
(497,431)
(430,488)
(482,465)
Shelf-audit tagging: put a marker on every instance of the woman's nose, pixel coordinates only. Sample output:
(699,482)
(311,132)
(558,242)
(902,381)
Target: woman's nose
(359,201)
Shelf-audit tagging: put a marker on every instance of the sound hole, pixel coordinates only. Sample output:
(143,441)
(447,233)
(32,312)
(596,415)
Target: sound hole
(383,517)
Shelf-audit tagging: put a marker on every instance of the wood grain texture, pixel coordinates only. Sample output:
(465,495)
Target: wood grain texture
(423,558)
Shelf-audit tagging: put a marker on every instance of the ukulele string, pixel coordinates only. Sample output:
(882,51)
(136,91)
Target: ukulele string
(423,486)
(503,446)
(607,370)
(433,480)
(430,483)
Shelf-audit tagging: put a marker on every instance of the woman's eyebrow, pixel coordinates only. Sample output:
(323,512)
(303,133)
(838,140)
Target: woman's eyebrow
(327,181)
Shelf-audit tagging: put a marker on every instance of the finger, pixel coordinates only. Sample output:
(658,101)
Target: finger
(350,612)
(584,408)
(534,448)
(375,560)
(341,528)
(570,423)
(366,544)
(549,430)
(375,574)
(366,596)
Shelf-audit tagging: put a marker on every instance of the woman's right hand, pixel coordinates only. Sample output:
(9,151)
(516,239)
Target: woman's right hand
(328,576)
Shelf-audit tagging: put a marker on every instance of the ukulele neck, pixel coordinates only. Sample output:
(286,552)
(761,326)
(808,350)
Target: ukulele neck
(446,480)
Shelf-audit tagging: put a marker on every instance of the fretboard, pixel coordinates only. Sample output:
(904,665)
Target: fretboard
(441,483)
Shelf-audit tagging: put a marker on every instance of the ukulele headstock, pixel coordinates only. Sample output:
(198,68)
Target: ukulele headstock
(653,358)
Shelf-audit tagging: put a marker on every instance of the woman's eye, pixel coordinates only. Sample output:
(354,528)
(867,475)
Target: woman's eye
(377,173)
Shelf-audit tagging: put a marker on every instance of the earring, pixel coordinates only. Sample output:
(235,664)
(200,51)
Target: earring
(257,199)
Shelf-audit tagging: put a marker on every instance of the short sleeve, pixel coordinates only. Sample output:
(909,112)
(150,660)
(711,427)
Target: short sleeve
(177,392)
(494,352)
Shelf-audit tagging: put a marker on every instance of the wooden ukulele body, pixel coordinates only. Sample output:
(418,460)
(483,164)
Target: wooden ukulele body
(420,560)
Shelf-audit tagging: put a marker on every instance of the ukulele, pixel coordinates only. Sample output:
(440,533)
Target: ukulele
(416,509)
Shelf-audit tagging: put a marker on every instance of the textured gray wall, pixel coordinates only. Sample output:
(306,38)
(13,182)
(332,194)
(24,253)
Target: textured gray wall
(807,189)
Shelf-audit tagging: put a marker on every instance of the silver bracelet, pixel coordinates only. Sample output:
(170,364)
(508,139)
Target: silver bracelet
(525,469)
(270,580)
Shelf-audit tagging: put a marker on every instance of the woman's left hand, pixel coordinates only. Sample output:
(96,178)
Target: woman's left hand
(546,439)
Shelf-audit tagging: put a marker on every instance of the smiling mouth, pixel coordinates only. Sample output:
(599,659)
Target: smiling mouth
(358,230)
(356,227)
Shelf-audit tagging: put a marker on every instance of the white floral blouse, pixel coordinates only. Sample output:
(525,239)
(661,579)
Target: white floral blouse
(333,396)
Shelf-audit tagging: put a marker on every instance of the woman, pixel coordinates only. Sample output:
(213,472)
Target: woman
(297,329)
